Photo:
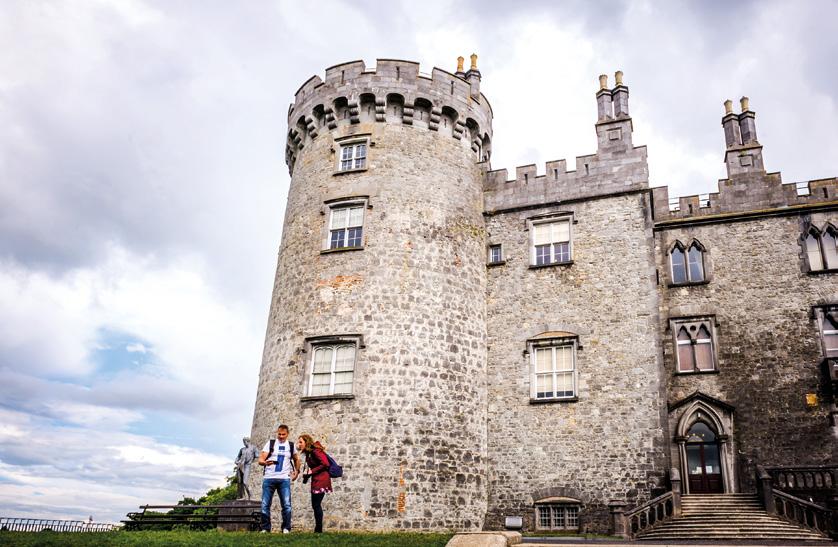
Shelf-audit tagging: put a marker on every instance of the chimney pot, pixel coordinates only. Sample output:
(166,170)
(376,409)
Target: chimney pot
(603,81)
(473,61)
(728,107)
(460,61)
(618,76)
(743,102)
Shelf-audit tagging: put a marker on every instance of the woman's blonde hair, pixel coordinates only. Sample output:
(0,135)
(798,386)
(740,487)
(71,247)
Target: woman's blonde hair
(309,442)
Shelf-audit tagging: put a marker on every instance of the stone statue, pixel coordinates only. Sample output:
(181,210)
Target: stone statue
(247,455)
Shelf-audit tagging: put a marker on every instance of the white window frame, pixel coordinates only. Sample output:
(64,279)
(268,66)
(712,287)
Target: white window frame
(333,343)
(353,152)
(499,247)
(348,205)
(552,509)
(709,323)
(550,220)
(553,343)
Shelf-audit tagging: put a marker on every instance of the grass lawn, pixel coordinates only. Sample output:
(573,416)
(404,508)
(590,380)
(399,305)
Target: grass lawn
(232,539)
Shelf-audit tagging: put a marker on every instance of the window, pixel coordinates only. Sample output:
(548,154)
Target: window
(821,250)
(828,324)
(353,156)
(495,254)
(346,226)
(557,517)
(332,369)
(553,369)
(551,242)
(687,264)
(695,347)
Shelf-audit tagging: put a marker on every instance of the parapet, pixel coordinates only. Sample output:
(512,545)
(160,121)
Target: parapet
(394,92)
(744,194)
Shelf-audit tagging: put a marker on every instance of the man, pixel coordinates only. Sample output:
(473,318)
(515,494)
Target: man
(247,454)
(282,465)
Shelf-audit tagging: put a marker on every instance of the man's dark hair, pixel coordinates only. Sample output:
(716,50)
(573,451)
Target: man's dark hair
(285,427)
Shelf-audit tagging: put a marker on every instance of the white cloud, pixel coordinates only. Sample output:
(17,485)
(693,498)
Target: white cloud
(142,188)
(136,347)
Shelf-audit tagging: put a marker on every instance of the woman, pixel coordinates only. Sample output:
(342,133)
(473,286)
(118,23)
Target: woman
(318,473)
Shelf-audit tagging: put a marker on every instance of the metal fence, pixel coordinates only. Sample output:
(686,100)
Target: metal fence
(13,524)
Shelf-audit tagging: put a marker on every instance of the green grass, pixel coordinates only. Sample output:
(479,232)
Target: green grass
(225,539)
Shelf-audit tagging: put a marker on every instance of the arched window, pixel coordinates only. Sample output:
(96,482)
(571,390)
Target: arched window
(694,342)
(822,249)
(830,251)
(687,264)
(813,250)
(695,258)
(679,264)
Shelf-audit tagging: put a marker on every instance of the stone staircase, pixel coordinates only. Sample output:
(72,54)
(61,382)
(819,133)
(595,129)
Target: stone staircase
(727,516)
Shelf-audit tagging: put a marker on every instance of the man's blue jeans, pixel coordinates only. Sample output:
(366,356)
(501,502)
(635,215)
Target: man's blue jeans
(283,486)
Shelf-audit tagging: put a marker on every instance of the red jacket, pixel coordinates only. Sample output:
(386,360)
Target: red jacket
(318,466)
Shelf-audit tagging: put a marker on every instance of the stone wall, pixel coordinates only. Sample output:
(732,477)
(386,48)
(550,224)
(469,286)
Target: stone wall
(610,443)
(768,344)
(413,439)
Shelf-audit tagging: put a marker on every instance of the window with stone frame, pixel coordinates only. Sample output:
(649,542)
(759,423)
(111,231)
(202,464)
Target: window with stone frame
(556,517)
(553,365)
(821,248)
(353,155)
(687,263)
(495,254)
(346,225)
(827,318)
(332,368)
(695,345)
(551,242)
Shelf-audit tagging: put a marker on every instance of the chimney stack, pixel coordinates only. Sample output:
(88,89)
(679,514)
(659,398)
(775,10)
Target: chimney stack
(473,77)
(747,125)
(730,123)
(603,99)
(744,152)
(620,96)
(613,127)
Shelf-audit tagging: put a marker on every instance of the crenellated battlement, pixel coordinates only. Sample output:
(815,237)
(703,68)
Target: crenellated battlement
(617,166)
(394,92)
(758,192)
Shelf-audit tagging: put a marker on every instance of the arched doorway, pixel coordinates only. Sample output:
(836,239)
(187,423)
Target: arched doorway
(704,466)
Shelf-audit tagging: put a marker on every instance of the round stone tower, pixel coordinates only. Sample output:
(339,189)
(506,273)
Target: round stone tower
(376,341)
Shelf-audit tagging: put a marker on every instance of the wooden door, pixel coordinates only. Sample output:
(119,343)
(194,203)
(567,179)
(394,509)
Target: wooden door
(703,461)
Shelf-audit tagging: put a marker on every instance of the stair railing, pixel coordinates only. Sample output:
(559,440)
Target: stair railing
(799,511)
(665,507)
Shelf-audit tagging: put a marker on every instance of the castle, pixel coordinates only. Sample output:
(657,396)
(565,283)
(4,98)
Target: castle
(475,349)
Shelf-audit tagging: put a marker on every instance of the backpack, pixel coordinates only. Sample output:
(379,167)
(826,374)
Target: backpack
(290,455)
(335,470)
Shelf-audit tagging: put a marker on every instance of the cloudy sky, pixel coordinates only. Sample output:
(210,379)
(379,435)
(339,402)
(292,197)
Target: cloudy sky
(142,188)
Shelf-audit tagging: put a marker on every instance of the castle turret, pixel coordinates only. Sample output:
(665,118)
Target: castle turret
(376,341)
(744,152)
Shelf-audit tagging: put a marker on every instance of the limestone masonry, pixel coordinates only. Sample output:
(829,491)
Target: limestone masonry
(477,350)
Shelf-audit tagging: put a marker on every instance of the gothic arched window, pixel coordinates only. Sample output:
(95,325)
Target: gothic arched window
(679,264)
(695,259)
(822,248)
(687,264)
(694,343)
